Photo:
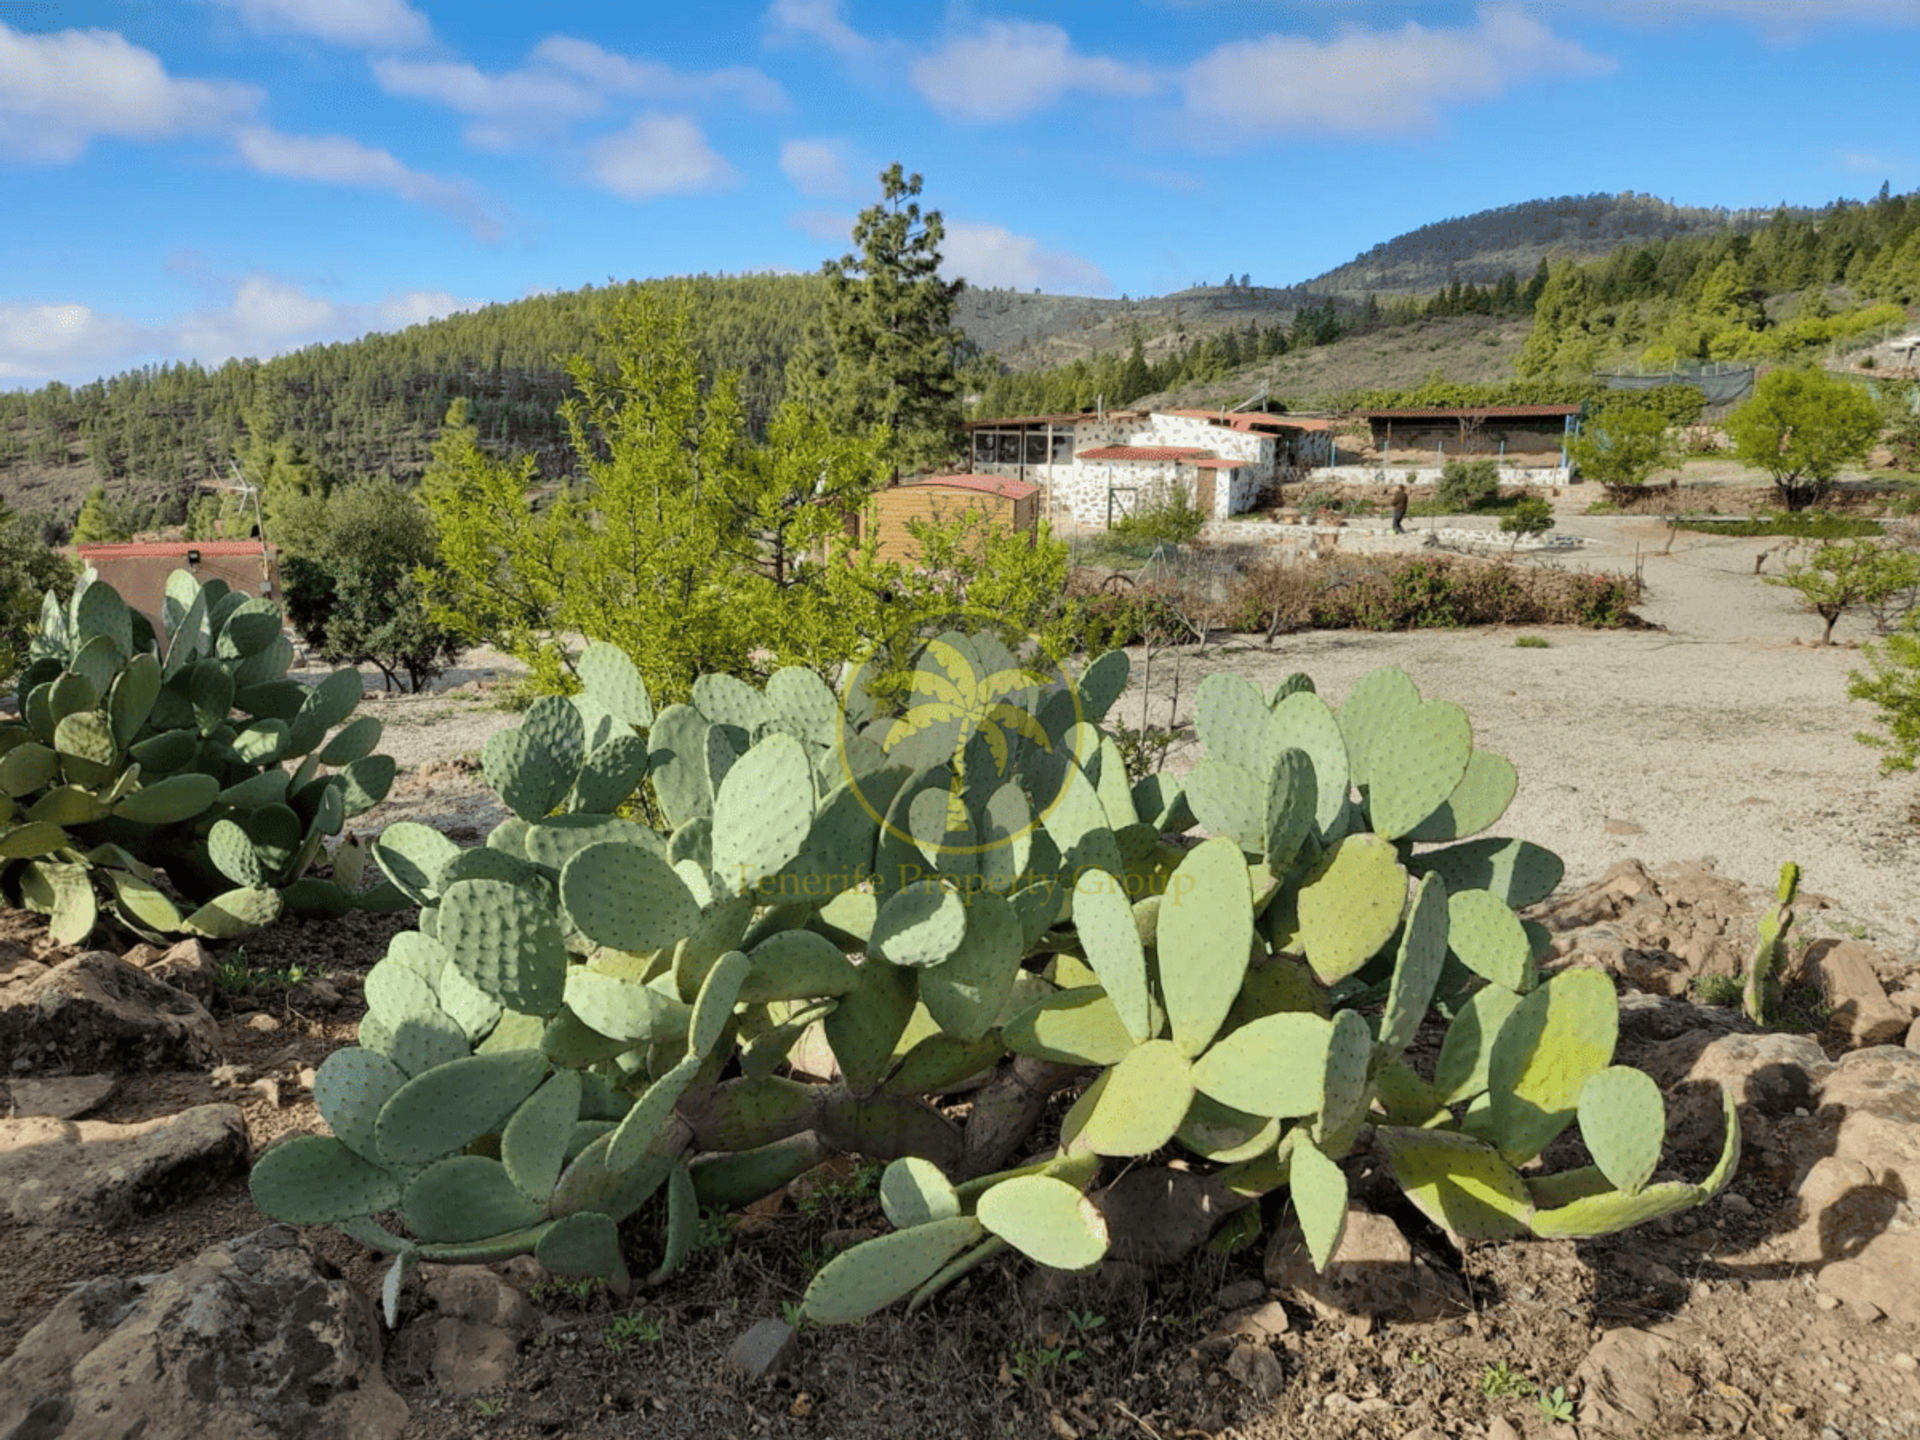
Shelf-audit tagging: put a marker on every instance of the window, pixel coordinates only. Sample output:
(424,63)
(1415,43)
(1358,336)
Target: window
(983,447)
(1009,447)
(1036,447)
(1063,447)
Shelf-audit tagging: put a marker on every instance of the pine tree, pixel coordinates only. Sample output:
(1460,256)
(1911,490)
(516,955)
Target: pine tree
(884,353)
(100,521)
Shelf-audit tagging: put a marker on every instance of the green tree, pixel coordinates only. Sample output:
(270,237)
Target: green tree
(1845,574)
(28,569)
(1529,517)
(1622,449)
(1801,426)
(885,351)
(1892,682)
(357,595)
(101,522)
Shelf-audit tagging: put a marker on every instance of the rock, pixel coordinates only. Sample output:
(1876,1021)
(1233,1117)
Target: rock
(1500,1428)
(91,1173)
(1257,1368)
(1158,1216)
(1771,1076)
(95,1012)
(1913,1036)
(1658,934)
(471,1340)
(261,1022)
(767,1349)
(1377,1275)
(1885,1275)
(1629,1386)
(64,1099)
(1240,1294)
(254,1339)
(1870,1104)
(477,1295)
(188,966)
(1846,972)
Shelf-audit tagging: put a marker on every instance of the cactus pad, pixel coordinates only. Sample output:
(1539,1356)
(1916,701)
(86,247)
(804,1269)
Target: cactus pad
(1350,904)
(762,812)
(872,1276)
(1461,1184)
(1624,1123)
(1204,941)
(1140,1104)
(1557,1039)
(349,1088)
(1046,1220)
(506,942)
(466,1197)
(444,1109)
(1489,940)
(1230,719)
(316,1180)
(1423,950)
(1416,763)
(1274,1066)
(1319,1190)
(915,1191)
(534,1143)
(625,897)
(1111,939)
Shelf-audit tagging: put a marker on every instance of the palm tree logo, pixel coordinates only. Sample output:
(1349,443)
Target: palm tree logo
(966,704)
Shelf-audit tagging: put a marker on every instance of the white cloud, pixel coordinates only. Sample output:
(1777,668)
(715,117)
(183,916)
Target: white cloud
(658,155)
(1013,68)
(263,315)
(655,81)
(342,160)
(792,21)
(386,24)
(59,91)
(823,224)
(994,255)
(1782,21)
(818,167)
(1374,82)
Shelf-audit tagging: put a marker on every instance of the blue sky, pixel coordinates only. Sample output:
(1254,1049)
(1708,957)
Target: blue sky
(197,179)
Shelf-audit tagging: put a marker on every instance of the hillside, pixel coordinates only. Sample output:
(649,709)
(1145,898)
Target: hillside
(1479,248)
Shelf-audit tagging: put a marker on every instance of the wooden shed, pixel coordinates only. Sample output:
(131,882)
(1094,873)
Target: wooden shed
(1009,505)
(139,571)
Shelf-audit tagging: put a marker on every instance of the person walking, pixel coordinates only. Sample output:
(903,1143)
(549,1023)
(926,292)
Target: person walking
(1397,503)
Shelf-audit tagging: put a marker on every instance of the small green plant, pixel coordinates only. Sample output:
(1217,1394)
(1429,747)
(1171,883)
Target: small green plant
(1770,949)
(1085,1322)
(1717,990)
(560,1286)
(714,1231)
(625,1329)
(486,1407)
(1554,1406)
(1529,517)
(1529,642)
(1498,1381)
(1032,1366)
(235,975)
(863,1183)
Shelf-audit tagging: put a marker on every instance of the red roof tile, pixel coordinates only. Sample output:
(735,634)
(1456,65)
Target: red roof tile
(1001,485)
(168,549)
(1219,464)
(1144,452)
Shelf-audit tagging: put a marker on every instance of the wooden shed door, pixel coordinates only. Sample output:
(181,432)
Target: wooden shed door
(1203,493)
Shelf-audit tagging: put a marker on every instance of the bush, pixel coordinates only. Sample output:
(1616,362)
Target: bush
(1839,577)
(1414,592)
(1174,522)
(1529,517)
(1466,485)
(1892,682)
(1795,524)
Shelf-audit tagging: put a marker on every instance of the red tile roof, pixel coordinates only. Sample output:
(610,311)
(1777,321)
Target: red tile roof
(1219,464)
(1144,452)
(1012,420)
(1470,412)
(1001,485)
(168,549)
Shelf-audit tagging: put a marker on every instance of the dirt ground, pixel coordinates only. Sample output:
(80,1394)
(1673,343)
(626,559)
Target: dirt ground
(1755,1349)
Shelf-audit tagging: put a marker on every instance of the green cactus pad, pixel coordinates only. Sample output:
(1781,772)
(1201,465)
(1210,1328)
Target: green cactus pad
(265,667)
(1160,800)
(1141,1103)
(713,1007)
(678,763)
(922,923)
(590,1184)
(1072,1027)
(1416,971)
(527,778)
(506,942)
(803,705)
(1319,1190)
(734,1180)
(797,965)
(585,1243)
(1302,721)
(633,1136)
(1230,720)
(1461,1184)
(1348,1092)
(1046,1220)
(1103,682)
(762,812)
(98,611)
(869,1022)
(234,913)
(1103,917)
(37,837)
(1292,802)
(317,1180)
(625,1008)
(1405,1096)
(1624,1123)
(916,1192)
(426,1040)
(872,1276)
(1205,938)
(167,752)
(256,792)
(610,774)
(1557,1039)
(741,1114)
(1223,1134)
(261,743)
(534,1143)
(27,768)
(726,700)
(1274,1066)
(1481,798)
(249,630)
(1378,702)
(466,1197)
(131,699)
(612,679)
(967,991)
(1518,872)
(349,1089)
(365,783)
(940,1062)
(1608,1213)
(412,855)
(1418,761)
(72,694)
(1489,940)
(625,897)
(144,905)
(446,1108)
(1350,904)
(210,692)
(1229,800)
(1461,1071)
(397,993)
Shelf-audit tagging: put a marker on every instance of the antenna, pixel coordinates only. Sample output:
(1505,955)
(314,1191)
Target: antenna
(243,486)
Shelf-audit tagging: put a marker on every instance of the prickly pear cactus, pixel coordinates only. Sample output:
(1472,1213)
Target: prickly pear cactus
(846,915)
(176,782)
